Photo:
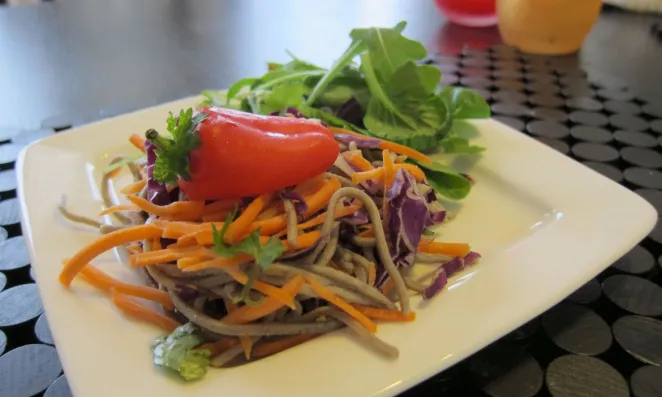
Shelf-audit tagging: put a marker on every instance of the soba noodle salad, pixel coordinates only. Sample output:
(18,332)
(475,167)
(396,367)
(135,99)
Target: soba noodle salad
(289,207)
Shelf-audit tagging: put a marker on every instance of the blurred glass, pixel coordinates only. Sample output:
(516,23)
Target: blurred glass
(469,12)
(551,27)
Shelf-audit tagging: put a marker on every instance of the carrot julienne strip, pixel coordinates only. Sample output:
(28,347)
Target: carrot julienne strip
(140,312)
(450,249)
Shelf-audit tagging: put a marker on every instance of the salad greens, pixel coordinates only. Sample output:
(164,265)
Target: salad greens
(176,352)
(381,77)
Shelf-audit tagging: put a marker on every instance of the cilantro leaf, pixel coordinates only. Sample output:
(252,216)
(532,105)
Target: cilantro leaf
(176,351)
(172,154)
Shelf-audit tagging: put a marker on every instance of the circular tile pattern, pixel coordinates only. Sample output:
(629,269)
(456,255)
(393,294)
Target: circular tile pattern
(475,72)
(637,261)
(510,109)
(27,137)
(3,234)
(524,331)
(10,212)
(511,121)
(546,100)
(3,281)
(555,144)
(509,85)
(19,304)
(582,376)
(3,342)
(8,181)
(584,103)
(622,107)
(541,79)
(13,253)
(588,118)
(605,169)
(42,331)
(654,197)
(502,370)
(627,122)
(549,114)
(587,293)
(547,128)
(28,370)
(59,122)
(59,388)
(618,95)
(7,132)
(590,134)
(576,329)
(656,125)
(646,381)
(595,151)
(644,177)
(449,79)
(508,74)
(641,337)
(584,90)
(9,153)
(653,109)
(509,96)
(642,157)
(656,233)
(634,294)
(476,82)
(635,138)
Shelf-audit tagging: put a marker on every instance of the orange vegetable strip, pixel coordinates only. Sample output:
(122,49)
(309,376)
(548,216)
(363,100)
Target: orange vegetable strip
(372,274)
(190,261)
(357,159)
(450,249)
(168,256)
(304,240)
(277,346)
(134,187)
(106,283)
(392,146)
(140,312)
(319,219)
(219,346)
(185,227)
(103,244)
(389,169)
(246,314)
(311,185)
(385,314)
(134,248)
(328,295)
(119,208)
(246,341)
(377,175)
(220,262)
(387,287)
(137,141)
(206,237)
(167,210)
(216,216)
(220,205)
(156,244)
(321,198)
(240,226)
(267,289)
(271,225)
(367,233)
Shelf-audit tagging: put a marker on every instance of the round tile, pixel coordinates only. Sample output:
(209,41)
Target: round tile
(605,169)
(642,157)
(502,370)
(634,294)
(653,109)
(509,74)
(582,376)
(511,122)
(28,370)
(509,96)
(447,67)
(3,281)
(555,144)
(576,329)
(595,152)
(656,125)
(8,181)
(588,118)
(654,197)
(3,342)
(547,128)
(591,134)
(611,84)
(549,114)
(509,85)
(541,79)
(476,62)
(546,100)
(635,138)
(585,91)
(646,382)
(32,273)
(622,107)
(59,388)
(656,233)
(476,82)
(27,137)
(481,73)
(13,253)
(9,152)
(510,109)
(508,64)
(10,212)
(42,331)
(524,331)
(3,234)
(449,79)
(644,177)
(627,122)
(641,337)
(637,261)
(618,95)
(19,304)
(587,293)
(584,103)
(573,81)
(59,122)
(7,132)
(486,94)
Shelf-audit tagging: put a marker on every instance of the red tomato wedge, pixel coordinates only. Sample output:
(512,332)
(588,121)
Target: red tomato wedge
(242,154)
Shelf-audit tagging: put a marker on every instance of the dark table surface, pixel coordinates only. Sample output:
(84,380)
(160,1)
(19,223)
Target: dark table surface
(64,64)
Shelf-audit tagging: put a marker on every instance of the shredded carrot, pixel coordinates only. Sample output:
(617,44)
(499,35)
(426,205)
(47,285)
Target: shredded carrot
(372,274)
(137,141)
(269,290)
(206,237)
(304,240)
(219,346)
(356,159)
(134,187)
(240,226)
(389,170)
(134,248)
(321,198)
(277,346)
(328,295)
(311,185)
(119,208)
(387,287)
(140,312)
(216,216)
(387,145)
(168,255)
(368,232)
(246,314)
(220,262)
(156,244)
(319,219)
(166,210)
(450,249)
(103,244)
(106,283)
(385,314)
(182,227)
(245,340)
(190,261)
(377,174)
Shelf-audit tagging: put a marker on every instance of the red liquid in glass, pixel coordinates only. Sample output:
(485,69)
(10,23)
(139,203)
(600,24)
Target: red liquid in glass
(469,12)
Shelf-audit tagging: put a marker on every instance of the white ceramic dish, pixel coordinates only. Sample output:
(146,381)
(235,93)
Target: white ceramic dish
(544,224)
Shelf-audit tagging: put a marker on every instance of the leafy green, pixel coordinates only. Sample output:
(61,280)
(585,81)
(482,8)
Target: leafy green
(122,163)
(172,153)
(176,351)
(465,103)
(428,232)
(458,145)
(445,180)
(236,87)
(282,97)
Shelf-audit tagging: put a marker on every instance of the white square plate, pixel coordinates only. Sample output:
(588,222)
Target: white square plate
(544,224)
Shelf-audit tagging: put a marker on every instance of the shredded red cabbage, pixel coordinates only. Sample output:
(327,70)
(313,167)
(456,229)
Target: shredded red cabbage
(300,205)
(437,285)
(448,269)
(156,193)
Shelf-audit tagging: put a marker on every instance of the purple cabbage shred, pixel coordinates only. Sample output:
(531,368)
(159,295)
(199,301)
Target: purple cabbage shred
(300,205)
(157,193)
(447,270)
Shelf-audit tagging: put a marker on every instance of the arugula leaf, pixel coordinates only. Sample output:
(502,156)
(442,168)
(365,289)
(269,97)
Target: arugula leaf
(465,103)
(122,163)
(445,180)
(458,145)
(283,96)
(314,113)
(176,351)
(236,87)
(172,159)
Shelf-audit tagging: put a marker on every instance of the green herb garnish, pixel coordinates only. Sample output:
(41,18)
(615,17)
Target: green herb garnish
(176,351)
